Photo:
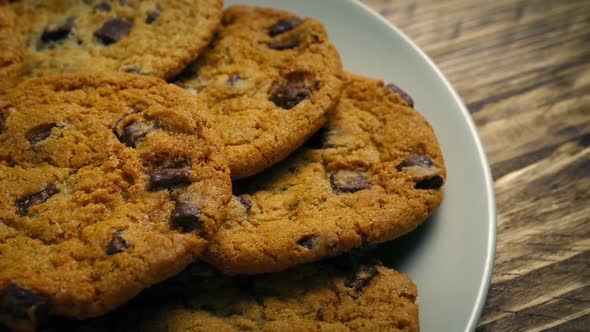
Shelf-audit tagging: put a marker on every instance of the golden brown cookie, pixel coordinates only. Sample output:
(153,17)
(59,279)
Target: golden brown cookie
(372,174)
(270,78)
(109,183)
(11,56)
(320,297)
(157,38)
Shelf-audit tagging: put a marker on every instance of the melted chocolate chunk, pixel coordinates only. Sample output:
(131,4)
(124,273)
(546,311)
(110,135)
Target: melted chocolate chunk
(117,244)
(289,95)
(362,279)
(247,203)
(21,303)
(103,7)
(233,79)
(39,133)
(113,30)
(170,177)
(24,204)
(420,160)
(58,31)
(186,217)
(406,97)
(345,181)
(132,133)
(308,241)
(283,44)
(283,26)
(152,16)
(434,182)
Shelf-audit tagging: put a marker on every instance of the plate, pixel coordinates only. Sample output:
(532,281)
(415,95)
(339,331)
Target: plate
(450,257)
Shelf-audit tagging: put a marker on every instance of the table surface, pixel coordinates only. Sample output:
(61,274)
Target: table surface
(523,70)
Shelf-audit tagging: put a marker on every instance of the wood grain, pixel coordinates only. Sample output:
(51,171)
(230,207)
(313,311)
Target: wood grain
(523,70)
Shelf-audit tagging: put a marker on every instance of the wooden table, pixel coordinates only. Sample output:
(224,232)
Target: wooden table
(523,70)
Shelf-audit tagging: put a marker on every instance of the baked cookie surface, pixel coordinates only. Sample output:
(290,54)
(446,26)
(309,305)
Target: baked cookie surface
(320,297)
(11,57)
(269,78)
(373,173)
(109,183)
(150,37)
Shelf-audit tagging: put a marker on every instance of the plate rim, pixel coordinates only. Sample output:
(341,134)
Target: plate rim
(485,283)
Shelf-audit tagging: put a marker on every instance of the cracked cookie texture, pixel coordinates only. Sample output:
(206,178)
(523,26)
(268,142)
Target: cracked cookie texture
(157,38)
(321,297)
(270,78)
(372,174)
(109,183)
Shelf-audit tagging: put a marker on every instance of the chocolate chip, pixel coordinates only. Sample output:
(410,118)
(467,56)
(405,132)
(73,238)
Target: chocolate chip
(103,7)
(319,314)
(152,16)
(117,244)
(425,162)
(406,97)
(186,217)
(434,182)
(308,241)
(58,31)
(283,44)
(283,26)
(39,133)
(247,203)
(169,177)
(113,30)
(289,95)
(233,79)
(420,160)
(123,2)
(362,279)
(22,303)
(345,181)
(24,204)
(132,134)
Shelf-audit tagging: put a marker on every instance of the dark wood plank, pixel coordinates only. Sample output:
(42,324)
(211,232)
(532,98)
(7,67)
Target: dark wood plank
(523,69)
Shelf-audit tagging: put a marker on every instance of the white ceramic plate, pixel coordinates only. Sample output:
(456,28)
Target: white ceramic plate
(451,256)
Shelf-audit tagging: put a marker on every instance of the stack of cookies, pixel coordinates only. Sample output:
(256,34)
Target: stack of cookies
(175,166)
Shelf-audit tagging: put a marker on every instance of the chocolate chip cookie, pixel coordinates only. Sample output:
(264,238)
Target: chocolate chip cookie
(157,38)
(270,77)
(373,173)
(324,297)
(11,56)
(109,183)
